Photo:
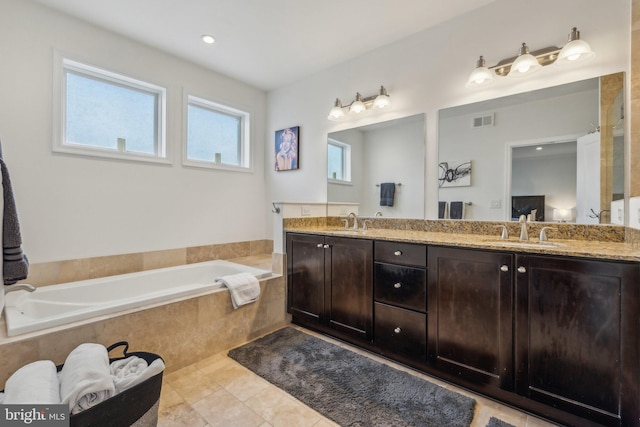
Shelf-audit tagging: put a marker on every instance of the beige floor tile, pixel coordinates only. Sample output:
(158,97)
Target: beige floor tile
(169,397)
(194,385)
(222,409)
(180,415)
(280,409)
(246,386)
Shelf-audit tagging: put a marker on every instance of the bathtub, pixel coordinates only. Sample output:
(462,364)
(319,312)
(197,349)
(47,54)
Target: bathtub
(64,303)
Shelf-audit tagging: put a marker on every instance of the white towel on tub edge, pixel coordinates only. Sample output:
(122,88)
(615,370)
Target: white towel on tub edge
(244,288)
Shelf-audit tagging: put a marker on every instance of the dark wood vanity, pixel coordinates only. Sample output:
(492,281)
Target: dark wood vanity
(557,336)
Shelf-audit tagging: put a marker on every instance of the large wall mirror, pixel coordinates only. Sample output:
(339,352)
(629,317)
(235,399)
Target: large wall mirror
(378,168)
(556,154)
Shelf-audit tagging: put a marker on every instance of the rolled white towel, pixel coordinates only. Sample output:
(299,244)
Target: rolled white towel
(85,378)
(35,383)
(133,370)
(244,288)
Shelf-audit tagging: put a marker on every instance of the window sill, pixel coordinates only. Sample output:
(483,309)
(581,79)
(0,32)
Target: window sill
(216,166)
(112,155)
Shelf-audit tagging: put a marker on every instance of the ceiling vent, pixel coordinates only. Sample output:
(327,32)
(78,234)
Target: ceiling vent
(483,121)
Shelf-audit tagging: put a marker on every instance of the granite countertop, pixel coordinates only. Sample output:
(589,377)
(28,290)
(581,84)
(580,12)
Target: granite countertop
(575,248)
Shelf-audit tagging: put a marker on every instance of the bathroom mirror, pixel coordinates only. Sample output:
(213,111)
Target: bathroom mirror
(387,157)
(558,152)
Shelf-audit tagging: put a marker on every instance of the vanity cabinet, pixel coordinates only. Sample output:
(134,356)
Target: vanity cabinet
(553,335)
(400,300)
(470,306)
(577,336)
(330,284)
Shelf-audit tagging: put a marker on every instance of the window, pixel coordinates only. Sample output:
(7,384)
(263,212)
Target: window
(339,161)
(110,115)
(217,136)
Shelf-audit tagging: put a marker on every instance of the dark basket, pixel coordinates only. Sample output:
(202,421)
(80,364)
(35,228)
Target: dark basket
(137,405)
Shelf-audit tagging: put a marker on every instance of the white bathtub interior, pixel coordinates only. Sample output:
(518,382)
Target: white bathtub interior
(64,303)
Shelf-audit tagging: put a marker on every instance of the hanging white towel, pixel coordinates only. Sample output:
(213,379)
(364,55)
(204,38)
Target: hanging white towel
(85,378)
(244,288)
(33,384)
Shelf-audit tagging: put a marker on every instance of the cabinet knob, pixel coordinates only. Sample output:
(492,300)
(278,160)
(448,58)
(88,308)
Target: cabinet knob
(522,270)
(504,268)
(397,253)
(397,330)
(326,246)
(397,285)
(319,245)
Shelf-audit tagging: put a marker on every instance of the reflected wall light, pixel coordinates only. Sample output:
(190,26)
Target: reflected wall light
(563,215)
(359,105)
(527,63)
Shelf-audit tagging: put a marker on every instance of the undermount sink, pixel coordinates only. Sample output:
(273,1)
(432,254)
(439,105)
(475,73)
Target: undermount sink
(526,243)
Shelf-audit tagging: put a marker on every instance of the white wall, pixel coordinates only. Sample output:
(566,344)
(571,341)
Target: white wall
(428,71)
(75,207)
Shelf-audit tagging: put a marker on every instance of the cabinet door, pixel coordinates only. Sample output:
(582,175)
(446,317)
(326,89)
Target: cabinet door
(577,336)
(400,332)
(305,277)
(470,317)
(349,295)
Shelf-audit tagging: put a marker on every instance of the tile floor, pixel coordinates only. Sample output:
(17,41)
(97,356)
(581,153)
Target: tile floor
(218,391)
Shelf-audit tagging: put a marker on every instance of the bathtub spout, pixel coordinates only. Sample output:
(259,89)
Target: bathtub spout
(20,287)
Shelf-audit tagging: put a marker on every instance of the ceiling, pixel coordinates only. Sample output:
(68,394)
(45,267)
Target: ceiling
(266,43)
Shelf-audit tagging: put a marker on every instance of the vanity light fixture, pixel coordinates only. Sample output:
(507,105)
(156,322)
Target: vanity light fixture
(576,50)
(359,105)
(527,63)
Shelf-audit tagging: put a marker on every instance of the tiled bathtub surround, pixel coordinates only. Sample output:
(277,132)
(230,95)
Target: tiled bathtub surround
(89,268)
(182,332)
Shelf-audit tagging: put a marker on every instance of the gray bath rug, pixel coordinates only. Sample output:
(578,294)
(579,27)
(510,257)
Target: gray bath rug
(494,422)
(348,388)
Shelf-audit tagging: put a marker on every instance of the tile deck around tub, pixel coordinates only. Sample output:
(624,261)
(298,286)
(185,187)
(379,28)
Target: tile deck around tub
(218,391)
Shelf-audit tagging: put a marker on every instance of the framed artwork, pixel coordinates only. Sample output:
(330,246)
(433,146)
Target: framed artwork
(287,144)
(455,173)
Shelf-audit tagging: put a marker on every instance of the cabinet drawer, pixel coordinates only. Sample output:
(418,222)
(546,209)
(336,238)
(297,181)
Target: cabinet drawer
(400,331)
(401,253)
(402,286)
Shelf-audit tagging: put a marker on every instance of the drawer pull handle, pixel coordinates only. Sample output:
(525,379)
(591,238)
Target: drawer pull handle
(319,245)
(397,253)
(522,270)
(504,268)
(397,285)
(397,330)
(326,246)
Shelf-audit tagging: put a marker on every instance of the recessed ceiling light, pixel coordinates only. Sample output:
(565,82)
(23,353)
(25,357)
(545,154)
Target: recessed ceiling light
(208,39)
(538,148)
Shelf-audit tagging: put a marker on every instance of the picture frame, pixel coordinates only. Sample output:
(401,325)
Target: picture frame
(287,149)
(455,173)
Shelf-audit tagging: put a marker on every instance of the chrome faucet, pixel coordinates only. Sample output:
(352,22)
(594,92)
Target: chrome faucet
(504,235)
(378,213)
(19,287)
(543,233)
(355,219)
(524,234)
